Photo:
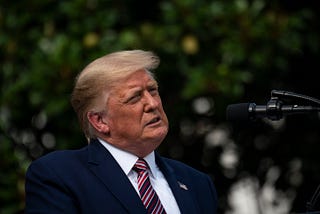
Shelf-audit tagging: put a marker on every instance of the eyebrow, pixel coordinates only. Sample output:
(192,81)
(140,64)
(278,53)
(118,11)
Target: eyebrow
(152,84)
(132,90)
(135,89)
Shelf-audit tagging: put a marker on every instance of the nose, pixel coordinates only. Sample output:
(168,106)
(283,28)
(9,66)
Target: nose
(151,102)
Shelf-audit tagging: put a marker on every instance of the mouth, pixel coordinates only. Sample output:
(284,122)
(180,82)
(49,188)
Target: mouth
(153,121)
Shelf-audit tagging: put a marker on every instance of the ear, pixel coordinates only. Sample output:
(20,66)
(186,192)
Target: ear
(96,120)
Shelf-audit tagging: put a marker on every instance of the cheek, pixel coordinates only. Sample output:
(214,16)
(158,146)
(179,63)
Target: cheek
(127,117)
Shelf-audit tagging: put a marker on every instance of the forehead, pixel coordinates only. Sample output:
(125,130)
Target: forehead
(138,78)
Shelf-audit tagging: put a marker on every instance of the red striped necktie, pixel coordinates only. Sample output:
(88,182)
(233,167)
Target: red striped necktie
(148,195)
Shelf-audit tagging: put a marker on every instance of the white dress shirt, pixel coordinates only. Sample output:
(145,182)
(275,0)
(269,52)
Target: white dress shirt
(127,160)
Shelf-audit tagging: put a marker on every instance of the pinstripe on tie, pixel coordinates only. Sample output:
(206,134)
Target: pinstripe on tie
(148,195)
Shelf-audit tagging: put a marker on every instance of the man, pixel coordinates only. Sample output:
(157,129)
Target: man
(119,108)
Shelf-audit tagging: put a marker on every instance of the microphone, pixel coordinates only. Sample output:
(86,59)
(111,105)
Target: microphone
(274,110)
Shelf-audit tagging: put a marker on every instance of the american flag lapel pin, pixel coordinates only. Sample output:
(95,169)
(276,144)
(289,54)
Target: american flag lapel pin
(182,186)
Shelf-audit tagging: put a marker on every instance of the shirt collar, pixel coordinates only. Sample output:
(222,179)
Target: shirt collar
(126,160)
(150,159)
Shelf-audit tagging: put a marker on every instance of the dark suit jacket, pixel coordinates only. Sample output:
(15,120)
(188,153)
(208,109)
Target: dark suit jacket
(90,181)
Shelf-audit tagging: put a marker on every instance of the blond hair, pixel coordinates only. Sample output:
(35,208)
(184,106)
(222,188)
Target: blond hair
(96,80)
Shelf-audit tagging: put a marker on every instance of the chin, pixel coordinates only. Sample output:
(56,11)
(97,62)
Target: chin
(158,137)
(162,133)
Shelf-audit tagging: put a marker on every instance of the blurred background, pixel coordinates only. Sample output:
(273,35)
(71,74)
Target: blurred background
(213,53)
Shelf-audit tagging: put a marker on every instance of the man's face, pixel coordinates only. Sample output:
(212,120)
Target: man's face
(135,115)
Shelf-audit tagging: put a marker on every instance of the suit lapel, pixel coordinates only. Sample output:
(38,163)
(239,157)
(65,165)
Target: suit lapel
(105,167)
(179,187)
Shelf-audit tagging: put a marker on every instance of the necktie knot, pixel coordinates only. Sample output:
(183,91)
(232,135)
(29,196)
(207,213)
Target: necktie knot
(140,166)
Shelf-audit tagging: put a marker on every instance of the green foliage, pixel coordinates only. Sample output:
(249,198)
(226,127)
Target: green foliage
(208,48)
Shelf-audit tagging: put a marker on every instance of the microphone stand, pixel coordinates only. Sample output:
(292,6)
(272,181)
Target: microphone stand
(274,103)
(311,205)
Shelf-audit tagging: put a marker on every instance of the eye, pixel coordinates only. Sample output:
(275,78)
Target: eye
(153,91)
(134,98)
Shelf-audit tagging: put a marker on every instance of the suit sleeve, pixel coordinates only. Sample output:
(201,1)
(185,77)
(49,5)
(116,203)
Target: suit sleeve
(45,192)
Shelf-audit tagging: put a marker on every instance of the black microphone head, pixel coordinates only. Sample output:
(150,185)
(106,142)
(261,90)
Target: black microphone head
(239,111)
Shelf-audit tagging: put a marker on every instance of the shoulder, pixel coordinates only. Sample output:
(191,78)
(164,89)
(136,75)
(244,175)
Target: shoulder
(59,160)
(61,155)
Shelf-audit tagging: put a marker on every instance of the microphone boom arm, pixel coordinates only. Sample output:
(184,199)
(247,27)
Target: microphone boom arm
(278,93)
